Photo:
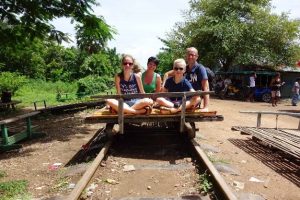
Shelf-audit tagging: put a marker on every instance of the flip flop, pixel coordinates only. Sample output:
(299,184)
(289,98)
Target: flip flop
(148,110)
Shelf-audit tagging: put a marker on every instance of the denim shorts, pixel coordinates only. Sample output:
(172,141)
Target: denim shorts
(131,102)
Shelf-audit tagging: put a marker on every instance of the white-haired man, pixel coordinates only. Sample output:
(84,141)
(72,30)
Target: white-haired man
(196,74)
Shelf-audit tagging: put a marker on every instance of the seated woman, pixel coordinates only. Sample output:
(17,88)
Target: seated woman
(128,82)
(178,83)
(151,80)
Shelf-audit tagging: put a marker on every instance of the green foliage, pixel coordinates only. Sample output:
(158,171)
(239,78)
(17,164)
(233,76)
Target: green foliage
(13,189)
(205,185)
(90,40)
(166,59)
(32,45)
(38,90)
(93,84)
(2,174)
(11,81)
(230,32)
(30,19)
(99,64)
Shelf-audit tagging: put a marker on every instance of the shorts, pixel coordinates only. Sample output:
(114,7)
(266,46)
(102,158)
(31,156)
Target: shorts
(131,102)
(275,93)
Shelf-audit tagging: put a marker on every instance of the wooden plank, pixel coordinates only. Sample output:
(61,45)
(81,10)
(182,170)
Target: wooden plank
(182,114)
(152,95)
(272,113)
(76,192)
(10,120)
(276,138)
(13,102)
(229,194)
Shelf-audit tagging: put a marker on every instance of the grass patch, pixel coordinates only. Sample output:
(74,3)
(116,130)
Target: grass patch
(2,174)
(54,93)
(218,160)
(61,184)
(204,185)
(13,189)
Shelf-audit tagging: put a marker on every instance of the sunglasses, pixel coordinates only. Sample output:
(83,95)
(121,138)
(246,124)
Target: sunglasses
(127,63)
(178,68)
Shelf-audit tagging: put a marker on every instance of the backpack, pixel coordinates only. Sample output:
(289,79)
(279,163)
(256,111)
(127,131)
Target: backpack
(210,74)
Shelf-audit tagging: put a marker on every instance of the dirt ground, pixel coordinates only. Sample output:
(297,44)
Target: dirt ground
(65,134)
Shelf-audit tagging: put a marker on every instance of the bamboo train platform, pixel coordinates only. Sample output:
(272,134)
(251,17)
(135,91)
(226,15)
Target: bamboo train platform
(183,118)
(284,139)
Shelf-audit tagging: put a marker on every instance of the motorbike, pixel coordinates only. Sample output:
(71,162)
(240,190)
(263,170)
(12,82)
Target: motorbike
(231,92)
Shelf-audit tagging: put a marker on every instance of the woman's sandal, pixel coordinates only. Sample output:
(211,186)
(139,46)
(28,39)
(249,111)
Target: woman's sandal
(112,111)
(148,110)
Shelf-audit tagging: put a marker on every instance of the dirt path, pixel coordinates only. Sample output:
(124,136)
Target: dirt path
(67,133)
(251,160)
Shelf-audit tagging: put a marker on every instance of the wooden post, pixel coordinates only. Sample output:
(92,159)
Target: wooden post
(4,134)
(29,130)
(76,192)
(276,122)
(182,116)
(45,103)
(258,120)
(121,115)
(34,104)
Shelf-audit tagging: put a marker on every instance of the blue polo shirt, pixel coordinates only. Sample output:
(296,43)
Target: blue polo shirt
(183,86)
(196,75)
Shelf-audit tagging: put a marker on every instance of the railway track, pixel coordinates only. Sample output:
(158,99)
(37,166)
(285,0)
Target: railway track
(150,161)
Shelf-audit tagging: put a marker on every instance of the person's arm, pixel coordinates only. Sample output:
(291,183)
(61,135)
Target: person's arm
(167,75)
(140,84)
(205,87)
(163,89)
(158,83)
(117,84)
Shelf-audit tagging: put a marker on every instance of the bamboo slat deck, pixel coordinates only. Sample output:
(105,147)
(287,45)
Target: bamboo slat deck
(104,116)
(287,140)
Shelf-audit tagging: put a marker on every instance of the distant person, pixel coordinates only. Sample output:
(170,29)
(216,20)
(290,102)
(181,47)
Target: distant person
(176,83)
(128,82)
(251,87)
(295,91)
(275,85)
(196,74)
(151,80)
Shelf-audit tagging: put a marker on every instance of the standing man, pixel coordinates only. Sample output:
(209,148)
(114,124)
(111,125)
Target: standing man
(252,87)
(295,91)
(196,74)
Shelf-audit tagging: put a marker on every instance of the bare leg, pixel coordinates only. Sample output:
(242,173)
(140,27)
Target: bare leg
(128,110)
(195,101)
(142,103)
(164,102)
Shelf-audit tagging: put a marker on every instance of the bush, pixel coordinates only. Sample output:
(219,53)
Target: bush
(11,82)
(93,84)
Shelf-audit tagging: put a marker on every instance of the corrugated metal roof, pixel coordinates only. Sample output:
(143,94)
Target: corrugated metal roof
(288,69)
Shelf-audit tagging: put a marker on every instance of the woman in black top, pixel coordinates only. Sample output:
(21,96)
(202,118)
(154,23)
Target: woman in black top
(275,88)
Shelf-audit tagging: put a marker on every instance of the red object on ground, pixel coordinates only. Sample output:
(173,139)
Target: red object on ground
(298,63)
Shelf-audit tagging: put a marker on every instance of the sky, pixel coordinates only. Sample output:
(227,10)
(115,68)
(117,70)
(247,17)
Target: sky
(140,23)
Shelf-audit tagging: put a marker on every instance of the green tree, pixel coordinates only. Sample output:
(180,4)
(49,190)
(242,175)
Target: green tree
(32,45)
(30,19)
(229,32)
